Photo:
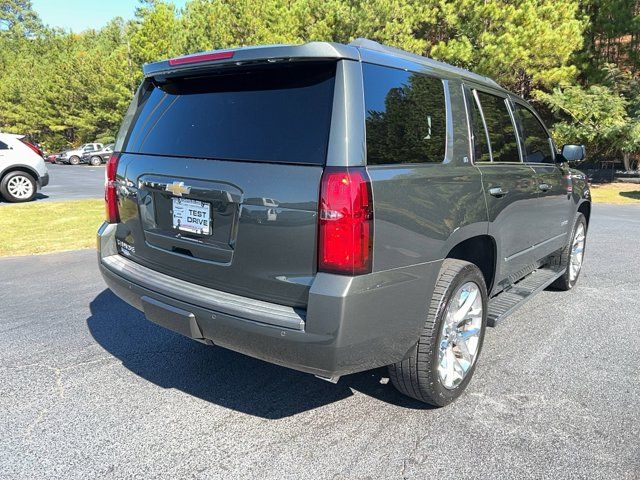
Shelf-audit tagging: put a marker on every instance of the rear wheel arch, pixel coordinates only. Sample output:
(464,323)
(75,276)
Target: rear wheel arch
(21,168)
(480,250)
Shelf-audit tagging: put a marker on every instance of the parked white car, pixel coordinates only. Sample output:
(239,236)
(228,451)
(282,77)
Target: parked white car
(73,157)
(22,169)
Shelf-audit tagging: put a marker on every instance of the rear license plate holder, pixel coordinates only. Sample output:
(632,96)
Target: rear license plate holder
(192,216)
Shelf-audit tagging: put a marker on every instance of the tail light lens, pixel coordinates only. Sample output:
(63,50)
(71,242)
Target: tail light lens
(110,196)
(33,147)
(345,242)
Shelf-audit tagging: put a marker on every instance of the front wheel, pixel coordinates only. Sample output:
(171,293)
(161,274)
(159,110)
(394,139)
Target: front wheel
(572,255)
(95,161)
(74,160)
(442,363)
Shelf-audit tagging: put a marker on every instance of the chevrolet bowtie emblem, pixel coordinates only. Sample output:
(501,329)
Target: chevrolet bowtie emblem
(177,188)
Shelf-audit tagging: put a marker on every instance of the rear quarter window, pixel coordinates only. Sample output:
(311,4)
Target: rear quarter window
(405,116)
(274,114)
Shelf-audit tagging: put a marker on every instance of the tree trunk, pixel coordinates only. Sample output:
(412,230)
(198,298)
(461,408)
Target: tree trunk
(626,159)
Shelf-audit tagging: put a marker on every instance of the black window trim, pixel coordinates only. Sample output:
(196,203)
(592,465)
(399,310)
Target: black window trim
(552,145)
(519,140)
(448,117)
(506,98)
(474,93)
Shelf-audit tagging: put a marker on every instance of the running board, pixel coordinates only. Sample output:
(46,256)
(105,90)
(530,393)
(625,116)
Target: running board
(512,298)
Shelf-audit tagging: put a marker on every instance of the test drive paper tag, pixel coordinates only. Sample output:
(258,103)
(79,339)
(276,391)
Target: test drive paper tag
(192,216)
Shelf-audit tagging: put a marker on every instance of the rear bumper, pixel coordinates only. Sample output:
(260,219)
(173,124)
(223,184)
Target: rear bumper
(351,324)
(44,180)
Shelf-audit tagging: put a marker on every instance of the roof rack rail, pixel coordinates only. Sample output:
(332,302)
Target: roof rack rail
(378,47)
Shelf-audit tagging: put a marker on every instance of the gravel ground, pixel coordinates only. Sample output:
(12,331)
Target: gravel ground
(91,389)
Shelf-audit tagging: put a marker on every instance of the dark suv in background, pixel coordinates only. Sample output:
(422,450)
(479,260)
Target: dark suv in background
(336,208)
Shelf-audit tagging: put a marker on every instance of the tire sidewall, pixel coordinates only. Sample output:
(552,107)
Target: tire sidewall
(95,163)
(74,160)
(468,274)
(4,190)
(579,219)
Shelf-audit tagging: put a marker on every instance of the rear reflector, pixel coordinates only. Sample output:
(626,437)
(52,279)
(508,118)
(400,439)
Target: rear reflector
(345,242)
(110,192)
(201,57)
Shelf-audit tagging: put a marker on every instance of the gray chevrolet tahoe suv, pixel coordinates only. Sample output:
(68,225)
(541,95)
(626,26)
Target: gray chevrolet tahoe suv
(336,208)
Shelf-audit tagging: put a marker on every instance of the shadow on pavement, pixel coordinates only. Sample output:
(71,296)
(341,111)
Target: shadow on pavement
(217,375)
(39,196)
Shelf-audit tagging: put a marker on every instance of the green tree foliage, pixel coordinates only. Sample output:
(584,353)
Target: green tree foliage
(603,108)
(17,17)
(66,88)
(595,115)
(525,44)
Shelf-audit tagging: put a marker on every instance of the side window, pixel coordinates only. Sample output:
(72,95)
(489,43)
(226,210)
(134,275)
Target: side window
(4,146)
(480,144)
(536,140)
(405,116)
(502,136)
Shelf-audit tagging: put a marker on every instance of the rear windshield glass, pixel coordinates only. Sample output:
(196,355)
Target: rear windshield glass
(278,114)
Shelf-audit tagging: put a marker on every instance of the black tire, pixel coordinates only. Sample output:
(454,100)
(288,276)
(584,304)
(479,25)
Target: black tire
(5,189)
(75,160)
(565,283)
(417,375)
(95,161)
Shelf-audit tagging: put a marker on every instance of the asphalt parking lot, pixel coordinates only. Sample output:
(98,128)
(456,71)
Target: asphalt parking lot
(71,182)
(91,389)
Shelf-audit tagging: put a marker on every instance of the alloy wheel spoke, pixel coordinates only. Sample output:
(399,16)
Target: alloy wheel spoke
(464,351)
(463,310)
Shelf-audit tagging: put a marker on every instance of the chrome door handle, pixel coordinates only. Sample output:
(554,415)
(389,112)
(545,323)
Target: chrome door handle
(498,192)
(544,187)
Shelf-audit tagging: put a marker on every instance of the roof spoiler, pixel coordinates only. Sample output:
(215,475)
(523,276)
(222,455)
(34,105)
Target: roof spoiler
(249,55)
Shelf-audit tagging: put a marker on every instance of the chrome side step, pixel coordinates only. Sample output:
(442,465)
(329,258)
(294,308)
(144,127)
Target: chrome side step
(508,301)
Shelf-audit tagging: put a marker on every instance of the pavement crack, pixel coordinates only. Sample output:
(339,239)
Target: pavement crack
(57,374)
(57,371)
(28,434)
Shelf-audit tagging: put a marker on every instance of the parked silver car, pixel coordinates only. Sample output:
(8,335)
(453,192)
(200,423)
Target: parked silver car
(98,157)
(73,157)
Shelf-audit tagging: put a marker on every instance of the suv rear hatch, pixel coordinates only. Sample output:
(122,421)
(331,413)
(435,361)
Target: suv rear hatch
(219,174)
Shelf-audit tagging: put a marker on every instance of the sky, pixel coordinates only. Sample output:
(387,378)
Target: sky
(78,15)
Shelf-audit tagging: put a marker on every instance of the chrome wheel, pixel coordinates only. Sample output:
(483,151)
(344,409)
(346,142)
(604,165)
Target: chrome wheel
(577,252)
(460,335)
(20,187)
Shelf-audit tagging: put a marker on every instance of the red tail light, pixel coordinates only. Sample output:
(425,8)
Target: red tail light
(345,242)
(33,147)
(110,196)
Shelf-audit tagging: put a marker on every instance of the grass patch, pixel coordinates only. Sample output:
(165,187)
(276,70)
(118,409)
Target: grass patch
(620,193)
(43,227)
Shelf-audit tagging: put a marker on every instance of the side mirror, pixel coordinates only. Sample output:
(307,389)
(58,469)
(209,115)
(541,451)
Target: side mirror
(573,153)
